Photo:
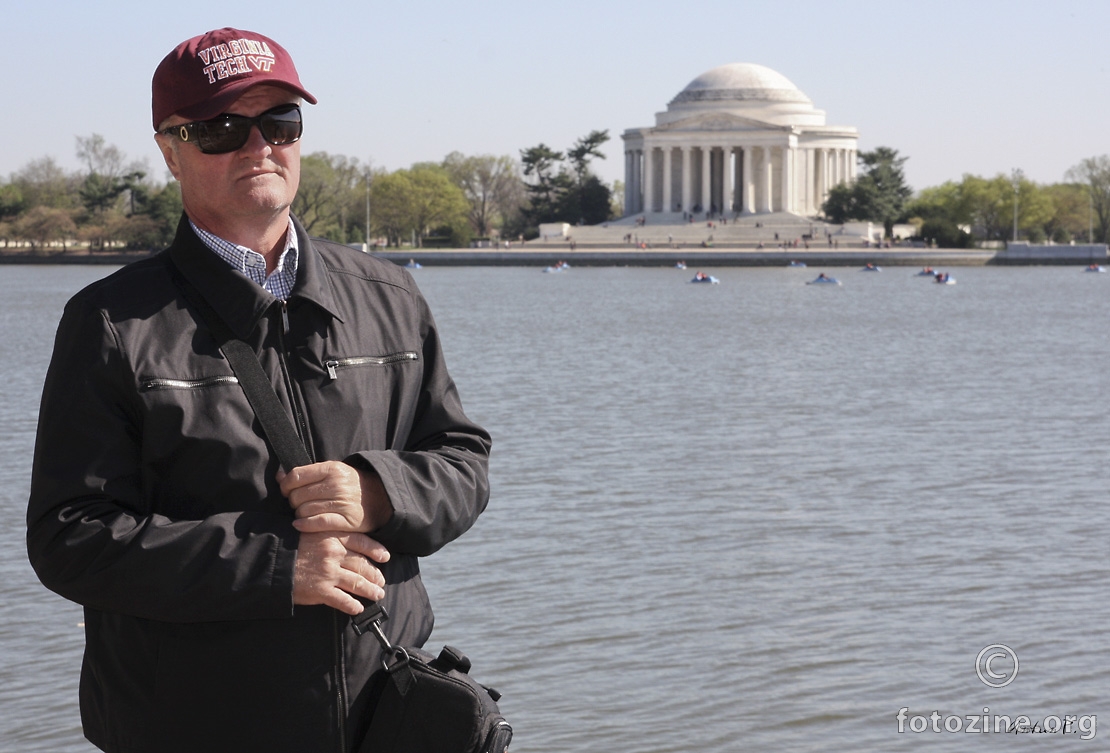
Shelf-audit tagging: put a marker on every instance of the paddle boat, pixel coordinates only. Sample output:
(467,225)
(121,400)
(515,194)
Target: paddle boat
(927,272)
(823,279)
(680,265)
(871,268)
(559,266)
(1094,268)
(413,264)
(796,263)
(703,277)
(944,278)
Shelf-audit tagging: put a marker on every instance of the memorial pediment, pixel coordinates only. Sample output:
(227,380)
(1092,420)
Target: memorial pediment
(719,122)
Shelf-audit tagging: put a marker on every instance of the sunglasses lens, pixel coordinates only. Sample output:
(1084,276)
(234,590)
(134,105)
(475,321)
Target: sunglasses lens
(223,134)
(281,127)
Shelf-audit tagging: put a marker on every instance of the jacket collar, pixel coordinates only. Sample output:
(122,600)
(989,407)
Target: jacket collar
(234,297)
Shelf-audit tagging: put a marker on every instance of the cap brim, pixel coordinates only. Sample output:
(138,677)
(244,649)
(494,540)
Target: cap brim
(218,105)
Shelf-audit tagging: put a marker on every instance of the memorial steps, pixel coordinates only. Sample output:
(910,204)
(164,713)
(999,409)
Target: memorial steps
(664,230)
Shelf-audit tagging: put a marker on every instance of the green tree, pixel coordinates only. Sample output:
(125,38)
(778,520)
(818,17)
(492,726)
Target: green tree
(559,194)
(42,225)
(1072,214)
(882,187)
(879,193)
(42,182)
(840,205)
(547,186)
(11,206)
(990,203)
(100,193)
(390,199)
(586,148)
(417,202)
(331,197)
(595,201)
(437,203)
(1094,173)
(109,175)
(942,216)
(157,212)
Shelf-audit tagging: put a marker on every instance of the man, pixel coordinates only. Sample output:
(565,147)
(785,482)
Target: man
(216,587)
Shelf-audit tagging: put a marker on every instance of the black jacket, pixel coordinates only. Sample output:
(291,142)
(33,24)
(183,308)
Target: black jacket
(154,502)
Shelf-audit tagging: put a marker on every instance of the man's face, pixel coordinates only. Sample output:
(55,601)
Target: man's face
(241,188)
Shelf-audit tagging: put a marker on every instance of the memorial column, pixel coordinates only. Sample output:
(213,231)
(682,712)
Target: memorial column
(628,182)
(637,180)
(768,181)
(667,179)
(686,178)
(726,181)
(822,170)
(748,196)
(706,172)
(787,179)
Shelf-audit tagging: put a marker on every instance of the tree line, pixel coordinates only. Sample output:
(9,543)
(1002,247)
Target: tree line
(112,203)
(959,214)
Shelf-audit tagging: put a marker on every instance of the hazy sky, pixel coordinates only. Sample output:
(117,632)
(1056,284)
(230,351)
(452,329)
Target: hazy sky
(975,86)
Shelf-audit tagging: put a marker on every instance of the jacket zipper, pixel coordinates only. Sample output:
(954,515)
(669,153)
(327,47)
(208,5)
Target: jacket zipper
(333,365)
(298,414)
(337,635)
(340,681)
(149,385)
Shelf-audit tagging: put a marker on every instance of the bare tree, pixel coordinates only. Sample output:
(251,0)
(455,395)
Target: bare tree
(491,185)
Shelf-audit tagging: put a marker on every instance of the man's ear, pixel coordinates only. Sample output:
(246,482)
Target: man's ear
(169,153)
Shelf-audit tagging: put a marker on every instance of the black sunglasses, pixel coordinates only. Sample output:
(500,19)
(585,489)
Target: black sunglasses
(228,133)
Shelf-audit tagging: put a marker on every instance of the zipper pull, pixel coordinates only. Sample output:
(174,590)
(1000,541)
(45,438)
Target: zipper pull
(285,316)
(331,366)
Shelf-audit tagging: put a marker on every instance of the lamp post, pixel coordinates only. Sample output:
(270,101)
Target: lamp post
(367,176)
(1090,216)
(1015,179)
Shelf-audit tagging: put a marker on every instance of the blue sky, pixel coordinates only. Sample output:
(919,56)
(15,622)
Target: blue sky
(979,86)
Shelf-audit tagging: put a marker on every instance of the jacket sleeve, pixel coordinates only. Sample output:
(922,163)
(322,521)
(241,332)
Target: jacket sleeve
(439,482)
(91,535)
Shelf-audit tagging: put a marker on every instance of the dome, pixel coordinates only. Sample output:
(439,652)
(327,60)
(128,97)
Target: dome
(744,90)
(740,82)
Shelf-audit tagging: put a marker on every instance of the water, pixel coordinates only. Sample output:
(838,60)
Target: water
(747,516)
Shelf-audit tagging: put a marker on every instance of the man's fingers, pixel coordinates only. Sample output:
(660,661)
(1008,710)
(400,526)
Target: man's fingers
(320,523)
(332,569)
(329,479)
(363,544)
(361,566)
(344,602)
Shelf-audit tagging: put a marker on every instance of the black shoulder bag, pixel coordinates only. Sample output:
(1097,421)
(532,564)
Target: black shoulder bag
(429,704)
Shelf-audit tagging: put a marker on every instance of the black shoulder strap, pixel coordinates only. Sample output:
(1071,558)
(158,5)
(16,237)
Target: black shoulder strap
(256,385)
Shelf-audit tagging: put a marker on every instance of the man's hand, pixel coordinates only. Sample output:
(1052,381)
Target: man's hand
(330,567)
(334,496)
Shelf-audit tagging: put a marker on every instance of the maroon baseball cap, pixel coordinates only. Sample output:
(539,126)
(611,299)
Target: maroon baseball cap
(204,75)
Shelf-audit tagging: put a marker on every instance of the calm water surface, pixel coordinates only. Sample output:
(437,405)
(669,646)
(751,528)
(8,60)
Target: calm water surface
(748,516)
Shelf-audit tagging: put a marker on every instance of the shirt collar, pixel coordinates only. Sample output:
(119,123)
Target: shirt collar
(253,264)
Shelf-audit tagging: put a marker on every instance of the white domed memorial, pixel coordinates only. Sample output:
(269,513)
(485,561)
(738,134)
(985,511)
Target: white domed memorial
(739,140)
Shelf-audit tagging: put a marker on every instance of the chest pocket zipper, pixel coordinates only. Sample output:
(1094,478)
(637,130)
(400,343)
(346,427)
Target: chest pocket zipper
(153,384)
(335,364)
